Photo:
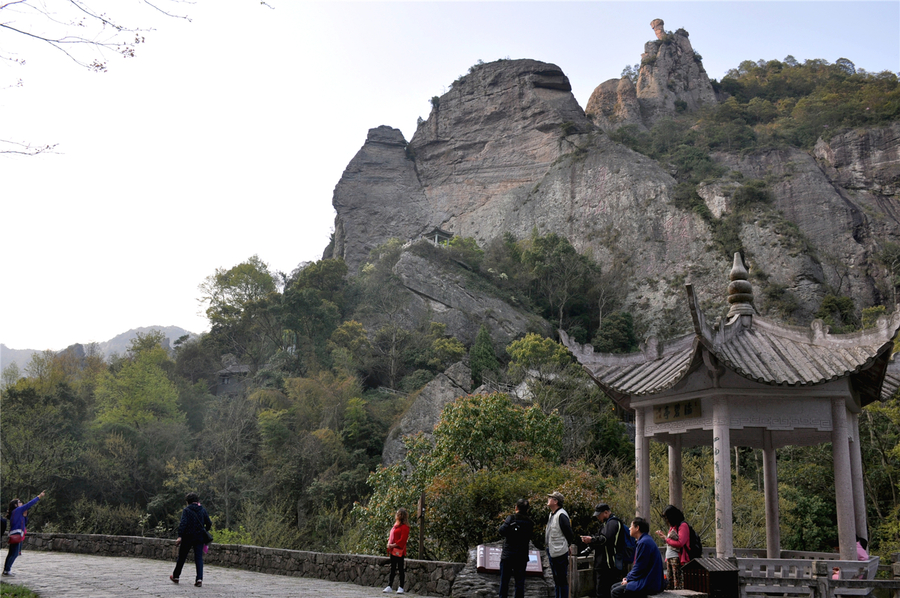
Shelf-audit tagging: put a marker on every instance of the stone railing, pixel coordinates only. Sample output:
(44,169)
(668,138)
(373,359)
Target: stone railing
(432,578)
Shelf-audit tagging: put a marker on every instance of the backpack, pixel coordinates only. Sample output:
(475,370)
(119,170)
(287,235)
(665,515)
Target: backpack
(695,546)
(626,557)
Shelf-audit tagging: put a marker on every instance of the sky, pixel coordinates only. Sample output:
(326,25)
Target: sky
(224,136)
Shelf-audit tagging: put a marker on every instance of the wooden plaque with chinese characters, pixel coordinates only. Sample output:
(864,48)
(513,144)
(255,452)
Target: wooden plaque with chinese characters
(672,412)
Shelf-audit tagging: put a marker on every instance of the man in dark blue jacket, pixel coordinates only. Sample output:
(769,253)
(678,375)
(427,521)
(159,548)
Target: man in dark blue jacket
(646,576)
(191,534)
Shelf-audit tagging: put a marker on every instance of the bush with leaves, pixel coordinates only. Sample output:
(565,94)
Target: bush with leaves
(616,334)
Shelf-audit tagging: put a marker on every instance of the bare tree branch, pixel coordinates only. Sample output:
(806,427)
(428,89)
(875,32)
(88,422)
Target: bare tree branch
(25,149)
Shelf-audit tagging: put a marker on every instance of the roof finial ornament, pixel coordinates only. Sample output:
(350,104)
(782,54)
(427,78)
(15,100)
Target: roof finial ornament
(740,291)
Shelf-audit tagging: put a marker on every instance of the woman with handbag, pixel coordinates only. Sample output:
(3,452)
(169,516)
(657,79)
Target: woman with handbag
(16,515)
(396,548)
(193,532)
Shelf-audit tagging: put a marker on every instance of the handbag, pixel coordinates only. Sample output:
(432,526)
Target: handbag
(16,536)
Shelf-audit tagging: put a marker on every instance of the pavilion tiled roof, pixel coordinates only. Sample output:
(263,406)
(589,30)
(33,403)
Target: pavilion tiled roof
(757,349)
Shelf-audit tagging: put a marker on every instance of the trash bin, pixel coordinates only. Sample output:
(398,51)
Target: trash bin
(718,578)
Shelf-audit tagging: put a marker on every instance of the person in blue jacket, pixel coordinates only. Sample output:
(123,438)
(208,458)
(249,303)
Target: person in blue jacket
(16,515)
(191,534)
(646,575)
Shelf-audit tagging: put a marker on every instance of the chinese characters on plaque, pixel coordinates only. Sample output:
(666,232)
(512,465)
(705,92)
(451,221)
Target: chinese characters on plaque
(672,412)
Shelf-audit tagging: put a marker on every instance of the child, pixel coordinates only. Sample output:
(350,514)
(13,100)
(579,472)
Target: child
(397,549)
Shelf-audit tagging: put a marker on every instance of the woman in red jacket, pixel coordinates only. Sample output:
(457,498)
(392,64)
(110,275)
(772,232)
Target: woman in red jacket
(397,549)
(676,546)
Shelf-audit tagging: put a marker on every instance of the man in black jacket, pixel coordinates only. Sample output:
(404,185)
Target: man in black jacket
(516,531)
(192,530)
(608,541)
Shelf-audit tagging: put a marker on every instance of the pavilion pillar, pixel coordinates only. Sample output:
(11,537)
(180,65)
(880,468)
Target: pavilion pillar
(856,472)
(642,462)
(843,480)
(676,484)
(770,481)
(722,460)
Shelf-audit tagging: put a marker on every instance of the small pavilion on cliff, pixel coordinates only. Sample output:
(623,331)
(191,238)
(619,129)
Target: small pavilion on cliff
(754,383)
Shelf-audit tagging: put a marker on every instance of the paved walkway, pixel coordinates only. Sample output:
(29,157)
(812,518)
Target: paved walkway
(65,575)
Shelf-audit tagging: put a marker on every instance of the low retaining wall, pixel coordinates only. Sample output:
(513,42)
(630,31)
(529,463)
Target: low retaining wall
(432,578)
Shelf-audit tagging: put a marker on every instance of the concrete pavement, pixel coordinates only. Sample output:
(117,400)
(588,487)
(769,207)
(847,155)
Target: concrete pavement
(65,575)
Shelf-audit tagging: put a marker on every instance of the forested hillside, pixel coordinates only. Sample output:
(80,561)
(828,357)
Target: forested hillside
(320,363)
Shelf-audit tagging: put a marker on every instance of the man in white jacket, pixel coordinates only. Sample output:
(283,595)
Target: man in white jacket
(558,537)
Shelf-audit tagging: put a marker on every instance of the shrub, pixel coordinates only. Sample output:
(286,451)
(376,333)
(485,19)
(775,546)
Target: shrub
(97,518)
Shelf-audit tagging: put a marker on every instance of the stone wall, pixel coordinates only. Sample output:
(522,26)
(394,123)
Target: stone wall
(431,578)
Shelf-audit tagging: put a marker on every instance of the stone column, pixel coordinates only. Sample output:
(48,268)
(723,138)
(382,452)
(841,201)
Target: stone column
(676,484)
(856,472)
(843,480)
(770,480)
(642,466)
(722,459)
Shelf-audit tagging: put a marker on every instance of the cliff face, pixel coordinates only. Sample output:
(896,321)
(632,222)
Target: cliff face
(508,149)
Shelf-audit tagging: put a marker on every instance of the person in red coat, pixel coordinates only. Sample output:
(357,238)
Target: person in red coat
(677,542)
(397,549)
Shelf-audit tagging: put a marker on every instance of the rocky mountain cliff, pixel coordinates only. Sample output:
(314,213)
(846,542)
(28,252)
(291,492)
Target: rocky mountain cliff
(508,149)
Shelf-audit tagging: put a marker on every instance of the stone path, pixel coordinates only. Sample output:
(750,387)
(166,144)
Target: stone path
(65,575)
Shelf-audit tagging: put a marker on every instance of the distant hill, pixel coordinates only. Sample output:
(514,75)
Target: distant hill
(118,344)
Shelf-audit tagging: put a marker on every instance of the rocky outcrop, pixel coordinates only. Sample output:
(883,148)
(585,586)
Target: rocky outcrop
(863,160)
(441,294)
(425,411)
(378,180)
(836,230)
(671,73)
(671,80)
(614,104)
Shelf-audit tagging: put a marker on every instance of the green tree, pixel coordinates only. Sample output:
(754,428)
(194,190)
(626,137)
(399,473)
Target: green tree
(839,312)
(561,275)
(243,308)
(138,426)
(482,431)
(466,250)
(140,393)
(482,358)
(537,355)
(616,335)
(228,292)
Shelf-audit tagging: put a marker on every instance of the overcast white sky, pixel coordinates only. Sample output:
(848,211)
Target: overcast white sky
(225,136)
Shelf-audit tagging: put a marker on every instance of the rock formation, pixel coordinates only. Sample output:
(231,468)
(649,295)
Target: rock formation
(439,294)
(508,149)
(425,411)
(615,104)
(671,80)
(379,179)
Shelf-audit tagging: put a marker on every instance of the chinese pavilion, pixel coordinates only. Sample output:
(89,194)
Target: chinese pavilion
(751,382)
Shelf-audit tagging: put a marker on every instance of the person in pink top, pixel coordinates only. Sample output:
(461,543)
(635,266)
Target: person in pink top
(676,546)
(397,549)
